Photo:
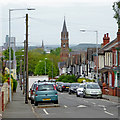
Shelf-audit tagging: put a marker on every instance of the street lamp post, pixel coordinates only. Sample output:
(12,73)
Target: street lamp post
(96,47)
(45,65)
(10,10)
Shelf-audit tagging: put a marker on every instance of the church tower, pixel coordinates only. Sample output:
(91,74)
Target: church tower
(64,43)
(42,45)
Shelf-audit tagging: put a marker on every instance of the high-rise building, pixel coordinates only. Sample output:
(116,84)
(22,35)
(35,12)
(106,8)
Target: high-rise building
(64,54)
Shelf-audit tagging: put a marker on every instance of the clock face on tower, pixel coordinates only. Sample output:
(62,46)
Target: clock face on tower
(64,45)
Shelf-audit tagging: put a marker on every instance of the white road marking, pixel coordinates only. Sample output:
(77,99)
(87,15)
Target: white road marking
(81,106)
(85,101)
(93,103)
(108,113)
(101,105)
(1,115)
(104,108)
(65,106)
(45,111)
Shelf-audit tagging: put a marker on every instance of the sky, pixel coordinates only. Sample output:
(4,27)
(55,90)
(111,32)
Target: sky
(46,21)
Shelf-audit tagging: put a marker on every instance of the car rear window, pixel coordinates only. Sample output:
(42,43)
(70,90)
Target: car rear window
(81,86)
(66,84)
(45,87)
(93,86)
(74,85)
(35,85)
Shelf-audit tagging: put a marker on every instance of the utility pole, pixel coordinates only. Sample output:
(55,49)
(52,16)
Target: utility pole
(24,75)
(26,61)
(21,73)
(52,68)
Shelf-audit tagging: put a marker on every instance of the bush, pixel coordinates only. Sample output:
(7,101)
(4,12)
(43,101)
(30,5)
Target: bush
(80,80)
(67,78)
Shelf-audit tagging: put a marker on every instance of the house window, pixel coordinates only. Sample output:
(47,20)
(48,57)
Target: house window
(116,58)
(119,58)
(110,79)
(118,78)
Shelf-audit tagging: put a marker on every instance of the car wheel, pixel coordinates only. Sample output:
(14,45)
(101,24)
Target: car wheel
(77,95)
(84,96)
(69,93)
(32,101)
(101,97)
(60,89)
(36,103)
(56,102)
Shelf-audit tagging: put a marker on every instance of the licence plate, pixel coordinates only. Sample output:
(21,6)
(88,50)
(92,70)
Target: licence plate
(46,99)
(67,87)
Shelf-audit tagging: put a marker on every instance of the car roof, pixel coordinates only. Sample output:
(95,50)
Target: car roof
(41,83)
(91,83)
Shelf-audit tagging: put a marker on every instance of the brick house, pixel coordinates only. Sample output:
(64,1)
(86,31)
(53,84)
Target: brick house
(108,59)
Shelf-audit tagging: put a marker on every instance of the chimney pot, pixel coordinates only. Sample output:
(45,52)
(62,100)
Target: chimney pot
(107,34)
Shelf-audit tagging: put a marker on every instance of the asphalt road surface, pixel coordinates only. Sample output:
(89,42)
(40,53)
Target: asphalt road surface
(78,107)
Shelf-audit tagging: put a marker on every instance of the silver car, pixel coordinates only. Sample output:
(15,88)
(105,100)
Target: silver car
(80,89)
(92,90)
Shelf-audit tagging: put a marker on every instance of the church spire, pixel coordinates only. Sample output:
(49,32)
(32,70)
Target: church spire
(42,45)
(64,26)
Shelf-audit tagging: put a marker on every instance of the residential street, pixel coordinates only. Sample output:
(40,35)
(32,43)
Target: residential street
(78,107)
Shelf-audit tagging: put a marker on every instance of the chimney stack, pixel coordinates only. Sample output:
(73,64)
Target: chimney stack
(106,39)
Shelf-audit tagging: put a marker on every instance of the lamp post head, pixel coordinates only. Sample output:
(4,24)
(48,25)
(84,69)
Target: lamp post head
(30,8)
(82,30)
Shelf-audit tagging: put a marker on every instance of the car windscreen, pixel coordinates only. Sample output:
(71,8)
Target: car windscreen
(93,86)
(45,87)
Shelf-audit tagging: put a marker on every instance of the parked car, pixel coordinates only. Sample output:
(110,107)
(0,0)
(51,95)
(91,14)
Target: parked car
(92,90)
(58,84)
(73,87)
(45,92)
(64,87)
(32,90)
(80,89)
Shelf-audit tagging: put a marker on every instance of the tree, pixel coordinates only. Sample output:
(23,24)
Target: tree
(40,68)
(6,54)
(116,8)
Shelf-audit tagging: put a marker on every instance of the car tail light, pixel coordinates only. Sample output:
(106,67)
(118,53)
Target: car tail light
(36,88)
(56,94)
(63,86)
(54,87)
(35,94)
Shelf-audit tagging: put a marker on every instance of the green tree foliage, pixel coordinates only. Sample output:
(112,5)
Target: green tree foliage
(55,51)
(19,55)
(67,78)
(116,8)
(34,56)
(40,68)
(33,59)
(6,54)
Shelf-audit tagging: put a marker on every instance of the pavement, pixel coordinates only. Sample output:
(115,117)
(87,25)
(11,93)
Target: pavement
(17,107)
(111,98)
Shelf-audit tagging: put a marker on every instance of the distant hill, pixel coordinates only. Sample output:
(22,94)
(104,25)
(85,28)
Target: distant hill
(84,46)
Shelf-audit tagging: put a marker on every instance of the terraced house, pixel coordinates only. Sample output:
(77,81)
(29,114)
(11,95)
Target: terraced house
(109,64)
